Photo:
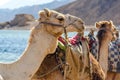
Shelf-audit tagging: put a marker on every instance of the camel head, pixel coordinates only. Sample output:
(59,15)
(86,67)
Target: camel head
(91,32)
(57,21)
(53,24)
(76,24)
(106,29)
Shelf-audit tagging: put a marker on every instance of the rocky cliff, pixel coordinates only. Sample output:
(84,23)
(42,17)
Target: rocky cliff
(20,20)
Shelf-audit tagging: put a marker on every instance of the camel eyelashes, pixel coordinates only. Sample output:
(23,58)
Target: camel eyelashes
(61,19)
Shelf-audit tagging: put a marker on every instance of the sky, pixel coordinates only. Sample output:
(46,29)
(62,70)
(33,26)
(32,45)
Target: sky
(12,4)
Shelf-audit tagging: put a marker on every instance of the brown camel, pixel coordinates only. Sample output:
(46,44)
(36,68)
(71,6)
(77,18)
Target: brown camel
(105,35)
(48,69)
(81,63)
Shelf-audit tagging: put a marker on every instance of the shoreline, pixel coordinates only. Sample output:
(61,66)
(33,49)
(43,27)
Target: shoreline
(29,27)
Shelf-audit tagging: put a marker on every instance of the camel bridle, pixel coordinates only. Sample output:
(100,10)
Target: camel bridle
(53,24)
(65,25)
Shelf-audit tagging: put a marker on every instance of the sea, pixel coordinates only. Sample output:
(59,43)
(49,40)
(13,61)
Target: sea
(13,43)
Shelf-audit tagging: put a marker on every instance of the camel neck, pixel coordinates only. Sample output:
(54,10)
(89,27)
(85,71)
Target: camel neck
(37,51)
(29,62)
(103,55)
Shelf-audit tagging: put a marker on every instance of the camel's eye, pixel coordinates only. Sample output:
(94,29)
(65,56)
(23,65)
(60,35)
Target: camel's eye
(61,19)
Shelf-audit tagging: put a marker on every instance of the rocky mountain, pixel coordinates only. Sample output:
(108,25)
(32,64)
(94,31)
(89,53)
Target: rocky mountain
(89,10)
(20,20)
(8,14)
(94,10)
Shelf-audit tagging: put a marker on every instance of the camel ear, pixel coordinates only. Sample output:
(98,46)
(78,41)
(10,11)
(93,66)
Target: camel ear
(111,23)
(41,13)
(97,25)
(47,11)
(44,13)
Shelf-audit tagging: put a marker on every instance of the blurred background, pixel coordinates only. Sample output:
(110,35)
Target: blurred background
(19,13)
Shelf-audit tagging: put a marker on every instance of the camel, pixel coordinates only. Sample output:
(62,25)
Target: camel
(43,41)
(81,63)
(49,63)
(104,36)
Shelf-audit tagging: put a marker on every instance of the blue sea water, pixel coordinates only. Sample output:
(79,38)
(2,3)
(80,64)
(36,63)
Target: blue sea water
(13,43)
